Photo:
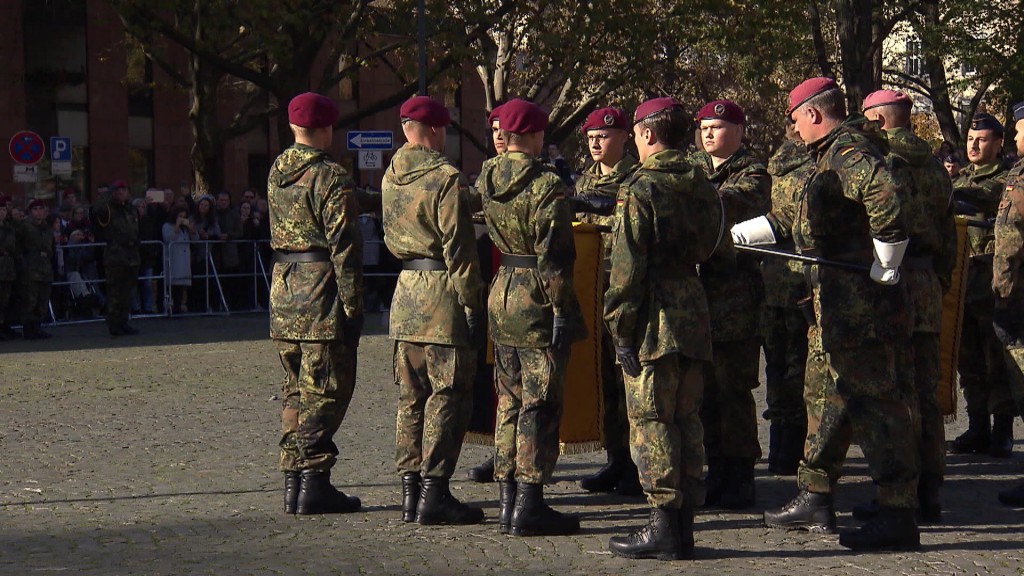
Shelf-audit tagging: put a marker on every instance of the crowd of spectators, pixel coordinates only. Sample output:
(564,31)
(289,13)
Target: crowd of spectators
(172,228)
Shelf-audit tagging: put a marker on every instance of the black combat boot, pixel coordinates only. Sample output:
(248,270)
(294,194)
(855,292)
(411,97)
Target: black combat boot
(484,473)
(714,482)
(738,487)
(686,532)
(774,443)
(891,529)
(532,517)
(808,511)
(629,483)
(929,506)
(318,496)
(506,504)
(1013,497)
(865,512)
(292,480)
(607,478)
(410,495)
(1001,440)
(659,538)
(438,506)
(789,451)
(976,439)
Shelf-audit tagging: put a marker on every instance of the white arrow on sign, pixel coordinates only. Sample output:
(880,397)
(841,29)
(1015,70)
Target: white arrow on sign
(361,140)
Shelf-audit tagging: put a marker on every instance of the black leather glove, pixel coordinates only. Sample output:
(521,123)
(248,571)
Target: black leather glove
(592,204)
(353,328)
(628,359)
(560,334)
(477,323)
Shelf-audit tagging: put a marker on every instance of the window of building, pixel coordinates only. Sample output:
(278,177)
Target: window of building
(915,59)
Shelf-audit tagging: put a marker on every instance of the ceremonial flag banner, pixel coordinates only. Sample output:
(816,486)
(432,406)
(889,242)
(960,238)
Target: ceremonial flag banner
(952,323)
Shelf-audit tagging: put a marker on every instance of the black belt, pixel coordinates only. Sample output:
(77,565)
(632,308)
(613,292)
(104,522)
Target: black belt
(919,263)
(424,265)
(518,260)
(310,256)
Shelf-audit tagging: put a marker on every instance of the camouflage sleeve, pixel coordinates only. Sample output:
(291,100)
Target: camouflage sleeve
(458,242)
(984,196)
(474,200)
(866,179)
(339,213)
(627,282)
(748,196)
(555,247)
(1009,244)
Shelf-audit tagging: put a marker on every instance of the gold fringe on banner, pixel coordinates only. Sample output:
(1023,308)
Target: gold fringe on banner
(952,325)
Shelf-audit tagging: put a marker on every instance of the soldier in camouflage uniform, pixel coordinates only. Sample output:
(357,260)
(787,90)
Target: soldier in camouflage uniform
(784,324)
(316,303)
(1007,272)
(533,315)
(8,270)
(35,242)
(668,220)
(982,371)
(119,225)
(735,295)
(437,314)
(850,211)
(607,132)
(927,270)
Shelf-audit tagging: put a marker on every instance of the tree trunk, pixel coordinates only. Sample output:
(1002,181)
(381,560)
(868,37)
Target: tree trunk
(939,86)
(820,51)
(857,28)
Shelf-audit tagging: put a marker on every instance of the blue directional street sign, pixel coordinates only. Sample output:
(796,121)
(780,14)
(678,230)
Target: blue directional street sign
(370,140)
(60,149)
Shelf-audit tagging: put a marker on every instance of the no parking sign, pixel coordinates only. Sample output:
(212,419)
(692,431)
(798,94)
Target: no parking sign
(26,147)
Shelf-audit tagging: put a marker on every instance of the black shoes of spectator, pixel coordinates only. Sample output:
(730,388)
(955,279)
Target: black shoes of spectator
(318,496)
(738,487)
(410,495)
(533,517)
(484,473)
(1013,497)
(808,511)
(506,504)
(438,506)
(975,440)
(1001,440)
(122,330)
(34,332)
(786,448)
(660,538)
(607,478)
(292,481)
(890,529)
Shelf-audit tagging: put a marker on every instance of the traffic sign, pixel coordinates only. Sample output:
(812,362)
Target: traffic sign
(60,149)
(26,147)
(26,174)
(371,159)
(370,140)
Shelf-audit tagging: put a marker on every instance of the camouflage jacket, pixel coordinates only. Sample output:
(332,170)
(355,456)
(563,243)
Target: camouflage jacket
(119,225)
(791,168)
(35,242)
(524,206)
(852,199)
(655,302)
(732,280)
(313,207)
(928,215)
(981,187)
(592,181)
(1008,258)
(426,215)
(8,252)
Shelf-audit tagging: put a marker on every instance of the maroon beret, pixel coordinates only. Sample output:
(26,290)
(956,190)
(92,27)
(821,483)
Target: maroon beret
(604,118)
(522,117)
(809,89)
(311,110)
(722,110)
(36,202)
(653,106)
(118,184)
(885,98)
(495,114)
(426,110)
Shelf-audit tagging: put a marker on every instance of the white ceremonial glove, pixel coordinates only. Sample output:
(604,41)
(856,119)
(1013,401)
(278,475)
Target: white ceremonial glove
(753,232)
(888,257)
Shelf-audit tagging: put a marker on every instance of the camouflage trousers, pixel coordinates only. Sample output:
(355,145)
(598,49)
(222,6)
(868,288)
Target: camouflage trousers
(921,368)
(981,365)
(729,413)
(666,437)
(614,422)
(121,284)
(435,401)
(35,301)
(530,383)
(854,394)
(6,289)
(319,378)
(784,333)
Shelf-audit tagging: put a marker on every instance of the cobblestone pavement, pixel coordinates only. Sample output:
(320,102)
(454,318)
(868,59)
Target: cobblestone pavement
(156,454)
